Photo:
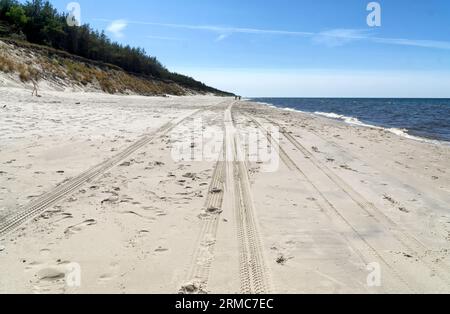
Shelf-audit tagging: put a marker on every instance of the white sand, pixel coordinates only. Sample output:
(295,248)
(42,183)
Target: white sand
(342,198)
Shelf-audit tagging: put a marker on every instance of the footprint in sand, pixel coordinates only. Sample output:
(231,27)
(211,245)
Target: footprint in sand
(111,274)
(213,211)
(195,287)
(125,164)
(114,198)
(130,212)
(51,274)
(45,252)
(190,175)
(161,249)
(80,227)
(33,265)
(143,232)
(161,213)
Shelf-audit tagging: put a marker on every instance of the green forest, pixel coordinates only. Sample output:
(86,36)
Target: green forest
(38,22)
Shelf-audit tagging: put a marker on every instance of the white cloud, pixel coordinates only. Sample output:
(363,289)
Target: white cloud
(415,43)
(222,37)
(339,37)
(117,27)
(221,30)
(226,30)
(334,37)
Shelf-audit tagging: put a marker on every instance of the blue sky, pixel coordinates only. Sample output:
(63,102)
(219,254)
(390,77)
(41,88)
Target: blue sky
(289,48)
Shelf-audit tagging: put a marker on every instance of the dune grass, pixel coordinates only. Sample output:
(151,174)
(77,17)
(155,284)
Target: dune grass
(36,65)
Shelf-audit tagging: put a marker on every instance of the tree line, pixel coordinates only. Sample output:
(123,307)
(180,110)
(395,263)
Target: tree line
(38,22)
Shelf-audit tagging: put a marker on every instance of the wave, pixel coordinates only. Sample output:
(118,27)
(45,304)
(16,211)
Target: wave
(346,119)
(292,110)
(355,121)
(404,133)
(275,107)
(267,104)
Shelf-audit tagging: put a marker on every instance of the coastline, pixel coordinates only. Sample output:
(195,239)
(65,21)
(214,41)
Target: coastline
(341,198)
(356,122)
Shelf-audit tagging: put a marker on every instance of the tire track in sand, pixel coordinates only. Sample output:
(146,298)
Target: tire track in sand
(405,239)
(253,274)
(410,242)
(380,215)
(359,245)
(199,269)
(40,205)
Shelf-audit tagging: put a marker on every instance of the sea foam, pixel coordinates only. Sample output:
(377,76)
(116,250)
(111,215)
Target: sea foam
(355,121)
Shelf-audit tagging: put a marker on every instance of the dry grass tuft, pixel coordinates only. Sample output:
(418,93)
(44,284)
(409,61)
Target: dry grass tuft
(6,64)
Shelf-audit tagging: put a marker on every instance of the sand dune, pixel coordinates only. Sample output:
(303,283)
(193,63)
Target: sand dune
(208,195)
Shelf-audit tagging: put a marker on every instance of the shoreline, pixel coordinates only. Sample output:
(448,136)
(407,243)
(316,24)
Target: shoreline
(356,122)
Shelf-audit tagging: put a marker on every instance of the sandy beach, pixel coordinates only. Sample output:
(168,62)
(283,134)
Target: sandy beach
(204,194)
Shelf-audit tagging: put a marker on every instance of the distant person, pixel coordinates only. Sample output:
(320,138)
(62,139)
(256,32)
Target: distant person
(35,88)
